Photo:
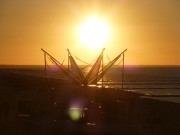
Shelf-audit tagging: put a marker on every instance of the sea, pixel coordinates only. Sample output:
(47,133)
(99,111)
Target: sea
(157,82)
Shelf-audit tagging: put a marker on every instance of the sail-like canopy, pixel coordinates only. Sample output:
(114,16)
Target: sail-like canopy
(108,66)
(74,73)
(66,72)
(91,77)
(74,69)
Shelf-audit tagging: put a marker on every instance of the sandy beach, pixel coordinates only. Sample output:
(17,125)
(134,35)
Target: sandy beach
(31,104)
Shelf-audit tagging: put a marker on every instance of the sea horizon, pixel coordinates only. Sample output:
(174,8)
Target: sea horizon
(9,65)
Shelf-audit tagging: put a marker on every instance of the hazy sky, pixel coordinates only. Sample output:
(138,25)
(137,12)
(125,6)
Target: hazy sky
(149,29)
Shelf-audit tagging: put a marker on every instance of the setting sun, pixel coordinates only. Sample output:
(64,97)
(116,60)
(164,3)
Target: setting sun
(94,33)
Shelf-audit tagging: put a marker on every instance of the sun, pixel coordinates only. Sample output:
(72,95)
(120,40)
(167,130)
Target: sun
(94,33)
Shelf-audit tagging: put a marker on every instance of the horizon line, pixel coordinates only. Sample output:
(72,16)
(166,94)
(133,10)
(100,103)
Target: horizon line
(81,65)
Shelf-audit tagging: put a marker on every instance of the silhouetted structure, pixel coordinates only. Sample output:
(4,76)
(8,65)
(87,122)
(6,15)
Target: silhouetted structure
(74,73)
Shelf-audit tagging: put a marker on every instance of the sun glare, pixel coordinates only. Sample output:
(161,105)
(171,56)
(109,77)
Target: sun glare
(94,33)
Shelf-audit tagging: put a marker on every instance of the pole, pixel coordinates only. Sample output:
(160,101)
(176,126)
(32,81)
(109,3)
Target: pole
(45,65)
(52,57)
(102,68)
(68,60)
(123,73)
(68,65)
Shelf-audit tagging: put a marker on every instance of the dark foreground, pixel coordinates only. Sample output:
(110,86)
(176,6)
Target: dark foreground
(34,106)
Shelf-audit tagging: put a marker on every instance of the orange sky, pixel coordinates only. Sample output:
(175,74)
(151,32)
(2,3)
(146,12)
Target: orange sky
(149,29)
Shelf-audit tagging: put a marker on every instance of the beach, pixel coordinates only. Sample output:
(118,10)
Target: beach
(35,105)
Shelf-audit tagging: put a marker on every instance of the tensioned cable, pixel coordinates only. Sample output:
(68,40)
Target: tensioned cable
(50,68)
(107,56)
(81,60)
(108,75)
(64,59)
(120,62)
(89,64)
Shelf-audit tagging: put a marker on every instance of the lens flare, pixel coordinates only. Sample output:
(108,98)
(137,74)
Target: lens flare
(75,113)
(76,109)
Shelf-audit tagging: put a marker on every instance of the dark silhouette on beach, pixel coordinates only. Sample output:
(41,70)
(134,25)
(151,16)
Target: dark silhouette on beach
(33,105)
